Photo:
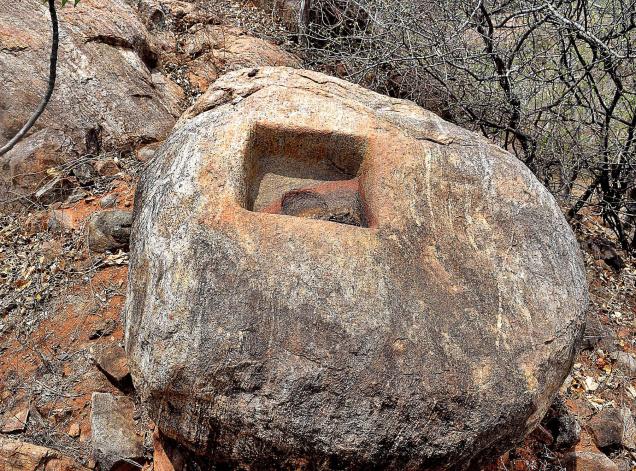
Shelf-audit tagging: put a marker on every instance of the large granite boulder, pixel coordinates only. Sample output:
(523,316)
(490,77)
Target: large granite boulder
(322,276)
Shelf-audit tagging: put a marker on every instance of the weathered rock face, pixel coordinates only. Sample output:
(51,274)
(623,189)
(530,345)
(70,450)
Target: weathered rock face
(108,94)
(429,331)
(105,93)
(113,91)
(192,37)
(217,49)
(115,440)
(109,230)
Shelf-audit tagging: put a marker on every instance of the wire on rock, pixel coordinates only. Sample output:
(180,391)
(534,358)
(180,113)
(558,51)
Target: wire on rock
(51,84)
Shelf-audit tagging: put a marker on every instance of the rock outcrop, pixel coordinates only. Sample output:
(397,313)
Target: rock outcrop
(21,456)
(429,331)
(108,95)
(219,49)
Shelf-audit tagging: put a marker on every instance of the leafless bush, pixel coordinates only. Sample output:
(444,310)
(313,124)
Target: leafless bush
(551,81)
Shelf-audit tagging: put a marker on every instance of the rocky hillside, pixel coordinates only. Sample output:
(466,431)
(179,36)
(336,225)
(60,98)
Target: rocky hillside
(128,71)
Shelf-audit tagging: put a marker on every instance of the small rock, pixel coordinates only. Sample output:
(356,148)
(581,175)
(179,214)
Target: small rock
(74,430)
(85,173)
(30,163)
(588,461)
(21,456)
(146,153)
(57,416)
(109,230)
(103,329)
(111,361)
(590,384)
(36,222)
(108,201)
(343,207)
(626,362)
(60,221)
(52,249)
(569,432)
(55,190)
(115,440)
(607,429)
(14,423)
(107,168)
(334,201)
(613,428)
(77,195)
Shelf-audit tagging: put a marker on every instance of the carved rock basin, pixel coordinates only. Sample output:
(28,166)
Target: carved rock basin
(428,327)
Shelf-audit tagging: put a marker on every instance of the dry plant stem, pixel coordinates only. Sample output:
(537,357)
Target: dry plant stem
(51,84)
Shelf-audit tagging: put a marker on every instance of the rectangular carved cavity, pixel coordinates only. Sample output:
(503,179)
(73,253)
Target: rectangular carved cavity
(305,173)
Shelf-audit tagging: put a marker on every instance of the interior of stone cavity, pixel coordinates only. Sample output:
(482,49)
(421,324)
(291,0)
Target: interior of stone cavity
(280,161)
